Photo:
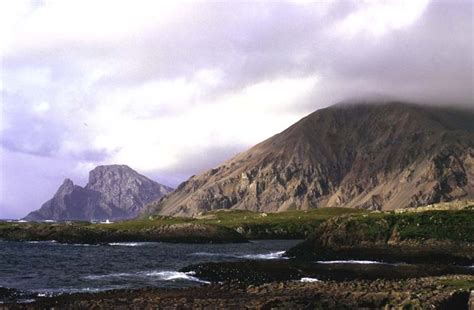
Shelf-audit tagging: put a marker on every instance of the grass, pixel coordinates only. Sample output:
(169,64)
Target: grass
(449,224)
(460,284)
(457,225)
(289,224)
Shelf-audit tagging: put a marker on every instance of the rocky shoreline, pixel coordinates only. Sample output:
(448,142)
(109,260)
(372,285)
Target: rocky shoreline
(427,292)
(258,272)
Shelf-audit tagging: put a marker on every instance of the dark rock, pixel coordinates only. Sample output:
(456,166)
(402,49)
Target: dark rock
(257,272)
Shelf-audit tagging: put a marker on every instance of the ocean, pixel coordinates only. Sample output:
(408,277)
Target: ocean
(48,268)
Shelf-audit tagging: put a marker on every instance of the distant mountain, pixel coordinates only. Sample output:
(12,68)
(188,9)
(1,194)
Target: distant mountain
(113,192)
(371,156)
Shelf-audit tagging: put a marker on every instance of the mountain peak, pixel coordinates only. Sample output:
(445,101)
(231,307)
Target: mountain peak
(113,192)
(368,155)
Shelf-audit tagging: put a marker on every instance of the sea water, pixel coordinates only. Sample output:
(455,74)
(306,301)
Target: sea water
(49,267)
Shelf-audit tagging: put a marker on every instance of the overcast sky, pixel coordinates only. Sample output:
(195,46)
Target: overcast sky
(173,88)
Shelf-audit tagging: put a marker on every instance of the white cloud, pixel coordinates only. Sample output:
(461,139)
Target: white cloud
(53,23)
(159,140)
(377,18)
(41,107)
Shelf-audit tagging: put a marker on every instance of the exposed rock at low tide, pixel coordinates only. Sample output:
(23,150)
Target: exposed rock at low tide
(426,293)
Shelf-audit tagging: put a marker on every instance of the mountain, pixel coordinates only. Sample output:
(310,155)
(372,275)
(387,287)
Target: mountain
(113,192)
(366,155)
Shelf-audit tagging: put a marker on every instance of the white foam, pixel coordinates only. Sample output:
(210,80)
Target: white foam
(128,243)
(50,292)
(163,275)
(109,276)
(349,262)
(175,275)
(309,280)
(43,242)
(271,255)
(211,254)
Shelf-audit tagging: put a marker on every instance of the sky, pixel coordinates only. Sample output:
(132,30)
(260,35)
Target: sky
(173,88)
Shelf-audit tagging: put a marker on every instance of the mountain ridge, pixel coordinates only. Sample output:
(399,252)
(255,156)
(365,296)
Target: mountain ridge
(365,155)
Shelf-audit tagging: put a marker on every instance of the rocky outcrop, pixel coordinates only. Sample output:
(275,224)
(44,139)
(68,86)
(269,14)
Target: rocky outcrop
(106,233)
(371,156)
(113,192)
(445,237)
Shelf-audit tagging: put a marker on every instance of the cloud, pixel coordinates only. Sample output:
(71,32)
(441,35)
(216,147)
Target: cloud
(173,88)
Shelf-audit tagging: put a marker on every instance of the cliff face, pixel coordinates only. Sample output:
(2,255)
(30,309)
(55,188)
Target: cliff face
(113,192)
(370,156)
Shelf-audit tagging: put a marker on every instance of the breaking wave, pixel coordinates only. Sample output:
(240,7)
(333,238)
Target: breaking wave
(271,255)
(367,262)
(159,275)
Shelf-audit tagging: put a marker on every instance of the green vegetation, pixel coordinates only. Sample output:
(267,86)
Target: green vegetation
(444,236)
(341,226)
(289,224)
(455,225)
(131,231)
(253,225)
(460,284)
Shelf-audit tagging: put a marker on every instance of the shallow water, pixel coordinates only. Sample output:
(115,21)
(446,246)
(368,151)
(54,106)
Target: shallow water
(47,268)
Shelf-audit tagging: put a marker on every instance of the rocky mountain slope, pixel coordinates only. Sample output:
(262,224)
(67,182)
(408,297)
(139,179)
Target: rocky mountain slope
(113,192)
(371,156)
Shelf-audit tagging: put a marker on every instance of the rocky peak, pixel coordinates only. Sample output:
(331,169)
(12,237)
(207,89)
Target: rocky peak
(102,174)
(113,192)
(65,188)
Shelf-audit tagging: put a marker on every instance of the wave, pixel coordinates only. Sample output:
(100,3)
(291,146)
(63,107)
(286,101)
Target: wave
(176,275)
(51,292)
(133,244)
(43,242)
(271,255)
(309,280)
(49,243)
(351,262)
(163,275)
